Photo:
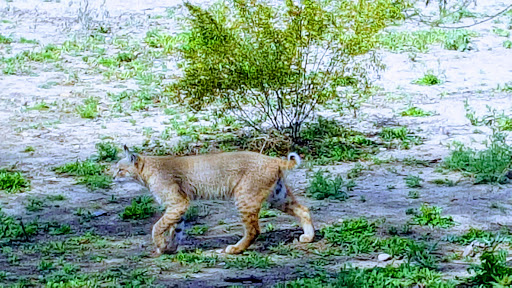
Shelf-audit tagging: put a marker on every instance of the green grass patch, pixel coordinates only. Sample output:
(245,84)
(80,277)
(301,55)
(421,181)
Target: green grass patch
(12,181)
(492,271)
(405,275)
(428,79)
(507,44)
(198,257)
(89,173)
(484,166)
(106,151)
(416,41)
(416,112)
(89,109)
(324,186)
(197,230)
(413,181)
(482,236)
(431,216)
(140,208)
(400,137)
(15,229)
(249,259)
(458,39)
(81,168)
(5,39)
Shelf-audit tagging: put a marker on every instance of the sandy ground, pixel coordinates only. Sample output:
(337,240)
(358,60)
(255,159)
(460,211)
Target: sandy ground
(59,135)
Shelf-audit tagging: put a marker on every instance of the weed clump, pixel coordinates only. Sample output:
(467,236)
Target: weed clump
(140,208)
(431,216)
(326,187)
(249,260)
(428,79)
(89,173)
(13,229)
(89,109)
(13,181)
(106,151)
(484,166)
(493,270)
(416,112)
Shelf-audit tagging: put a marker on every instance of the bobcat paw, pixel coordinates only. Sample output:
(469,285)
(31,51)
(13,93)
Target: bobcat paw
(306,238)
(232,249)
(156,253)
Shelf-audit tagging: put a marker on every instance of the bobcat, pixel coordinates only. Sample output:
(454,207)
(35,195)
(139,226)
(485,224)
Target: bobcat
(248,177)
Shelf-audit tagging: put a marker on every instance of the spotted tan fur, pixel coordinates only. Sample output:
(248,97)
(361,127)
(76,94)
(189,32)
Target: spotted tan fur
(247,177)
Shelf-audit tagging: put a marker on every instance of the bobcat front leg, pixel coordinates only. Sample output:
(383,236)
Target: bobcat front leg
(249,208)
(176,206)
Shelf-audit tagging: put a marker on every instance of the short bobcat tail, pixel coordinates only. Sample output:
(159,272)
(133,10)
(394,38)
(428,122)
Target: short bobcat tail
(293,161)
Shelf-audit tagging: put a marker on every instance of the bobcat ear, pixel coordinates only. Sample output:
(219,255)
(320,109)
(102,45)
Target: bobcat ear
(134,158)
(126,151)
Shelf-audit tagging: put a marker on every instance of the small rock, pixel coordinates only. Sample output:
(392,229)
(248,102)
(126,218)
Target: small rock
(99,213)
(384,257)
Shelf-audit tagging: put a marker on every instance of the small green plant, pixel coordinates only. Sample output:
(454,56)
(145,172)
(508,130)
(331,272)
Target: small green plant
(61,230)
(431,216)
(96,181)
(249,260)
(39,106)
(501,32)
(413,181)
(444,182)
(266,213)
(413,194)
(11,228)
(140,208)
(34,204)
(12,181)
(493,270)
(5,39)
(29,149)
(106,151)
(197,230)
(327,187)
(457,39)
(416,112)
(197,257)
(428,79)
(507,44)
(89,109)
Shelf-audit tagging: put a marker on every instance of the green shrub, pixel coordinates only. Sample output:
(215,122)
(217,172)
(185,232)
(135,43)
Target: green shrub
(140,208)
(326,187)
(13,181)
(244,52)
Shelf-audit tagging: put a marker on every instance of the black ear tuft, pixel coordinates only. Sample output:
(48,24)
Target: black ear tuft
(134,158)
(126,148)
